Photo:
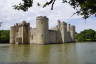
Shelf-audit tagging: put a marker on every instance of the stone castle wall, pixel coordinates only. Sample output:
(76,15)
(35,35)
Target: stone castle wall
(52,36)
(24,34)
(19,33)
(33,36)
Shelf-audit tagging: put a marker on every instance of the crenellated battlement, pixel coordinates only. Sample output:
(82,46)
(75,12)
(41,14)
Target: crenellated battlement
(44,18)
(21,33)
(24,23)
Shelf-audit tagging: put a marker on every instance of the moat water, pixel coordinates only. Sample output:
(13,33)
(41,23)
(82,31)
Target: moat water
(68,53)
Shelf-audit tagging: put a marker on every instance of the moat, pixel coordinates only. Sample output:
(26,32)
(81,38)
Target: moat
(68,53)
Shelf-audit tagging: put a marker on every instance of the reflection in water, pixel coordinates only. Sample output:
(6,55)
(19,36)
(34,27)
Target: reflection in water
(29,53)
(63,54)
(19,53)
(68,53)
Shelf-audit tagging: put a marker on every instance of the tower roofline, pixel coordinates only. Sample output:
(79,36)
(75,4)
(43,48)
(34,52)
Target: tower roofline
(42,18)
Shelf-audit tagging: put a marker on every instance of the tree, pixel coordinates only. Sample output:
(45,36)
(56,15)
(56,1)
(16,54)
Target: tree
(95,36)
(0,24)
(4,36)
(80,37)
(86,35)
(86,8)
(90,34)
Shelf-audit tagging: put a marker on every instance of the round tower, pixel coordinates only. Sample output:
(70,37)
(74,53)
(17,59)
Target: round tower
(68,27)
(59,38)
(63,32)
(12,35)
(72,33)
(42,29)
(68,33)
(25,32)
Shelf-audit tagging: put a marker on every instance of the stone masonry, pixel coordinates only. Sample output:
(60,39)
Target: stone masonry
(22,33)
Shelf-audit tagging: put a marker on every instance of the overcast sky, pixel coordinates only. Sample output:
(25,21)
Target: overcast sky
(61,11)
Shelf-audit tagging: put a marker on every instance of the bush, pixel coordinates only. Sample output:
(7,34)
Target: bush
(4,36)
(86,35)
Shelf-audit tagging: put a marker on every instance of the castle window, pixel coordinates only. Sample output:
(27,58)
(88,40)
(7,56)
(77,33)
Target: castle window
(42,36)
(41,22)
(32,37)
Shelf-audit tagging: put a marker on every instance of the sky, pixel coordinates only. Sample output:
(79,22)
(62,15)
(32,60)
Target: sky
(63,12)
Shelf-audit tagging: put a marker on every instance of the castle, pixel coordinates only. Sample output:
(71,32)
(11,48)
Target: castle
(22,33)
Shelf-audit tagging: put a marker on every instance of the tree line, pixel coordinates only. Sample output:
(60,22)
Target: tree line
(4,36)
(86,35)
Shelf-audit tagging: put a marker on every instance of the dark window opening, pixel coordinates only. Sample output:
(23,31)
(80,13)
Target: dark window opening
(32,37)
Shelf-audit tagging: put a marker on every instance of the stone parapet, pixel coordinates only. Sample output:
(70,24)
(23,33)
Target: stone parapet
(22,33)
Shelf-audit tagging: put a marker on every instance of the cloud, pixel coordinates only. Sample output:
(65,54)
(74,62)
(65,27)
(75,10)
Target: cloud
(61,11)
(82,24)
